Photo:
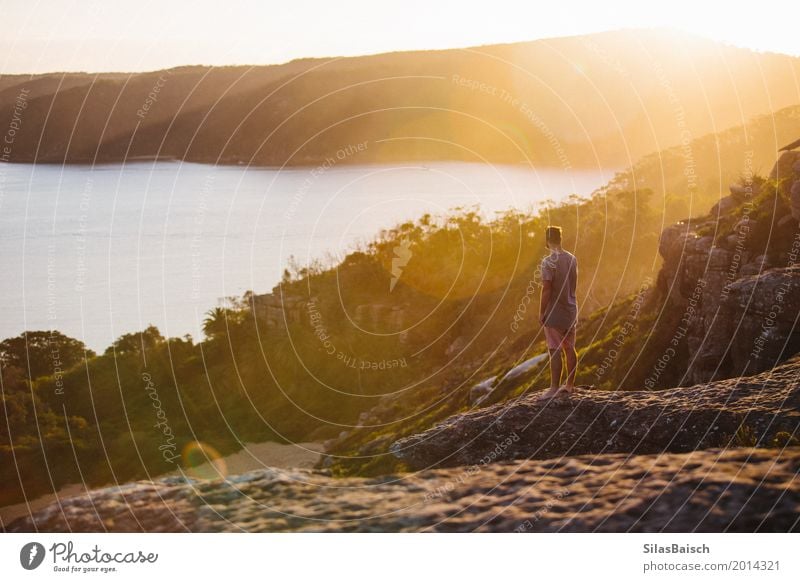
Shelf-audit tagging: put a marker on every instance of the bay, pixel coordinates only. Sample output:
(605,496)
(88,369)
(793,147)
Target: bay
(96,252)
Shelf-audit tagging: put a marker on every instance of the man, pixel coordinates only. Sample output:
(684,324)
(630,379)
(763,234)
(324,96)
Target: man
(558,312)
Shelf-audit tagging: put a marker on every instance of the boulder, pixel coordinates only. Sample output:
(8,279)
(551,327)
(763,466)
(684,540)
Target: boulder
(673,238)
(783,168)
(762,314)
(726,205)
(492,390)
(478,392)
(794,199)
(744,192)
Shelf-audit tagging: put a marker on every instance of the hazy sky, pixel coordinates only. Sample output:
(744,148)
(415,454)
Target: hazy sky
(123,35)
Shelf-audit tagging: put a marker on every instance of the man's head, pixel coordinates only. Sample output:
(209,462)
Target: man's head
(552,236)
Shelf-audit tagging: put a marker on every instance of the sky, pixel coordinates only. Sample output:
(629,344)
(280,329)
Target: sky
(121,35)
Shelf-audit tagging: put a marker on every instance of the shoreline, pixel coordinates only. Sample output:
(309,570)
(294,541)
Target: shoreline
(304,165)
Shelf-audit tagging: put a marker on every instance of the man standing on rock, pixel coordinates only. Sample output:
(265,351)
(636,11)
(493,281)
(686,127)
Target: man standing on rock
(558,312)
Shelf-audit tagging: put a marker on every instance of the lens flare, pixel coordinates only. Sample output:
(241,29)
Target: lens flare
(202,461)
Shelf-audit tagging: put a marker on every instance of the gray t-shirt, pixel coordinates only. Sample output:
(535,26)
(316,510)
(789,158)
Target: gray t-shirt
(561,268)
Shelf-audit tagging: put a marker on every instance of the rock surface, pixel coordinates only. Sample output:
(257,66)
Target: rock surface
(770,330)
(743,490)
(722,274)
(787,173)
(750,411)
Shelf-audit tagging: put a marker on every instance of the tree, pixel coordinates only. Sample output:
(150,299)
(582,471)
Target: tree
(43,353)
(134,343)
(215,323)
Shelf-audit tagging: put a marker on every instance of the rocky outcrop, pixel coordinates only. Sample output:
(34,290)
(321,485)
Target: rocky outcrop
(742,490)
(277,309)
(787,174)
(770,330)
(381,316)
(725,275)
(760,410)
(282,307)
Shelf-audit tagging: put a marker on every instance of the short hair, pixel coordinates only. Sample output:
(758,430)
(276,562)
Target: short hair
(553,234)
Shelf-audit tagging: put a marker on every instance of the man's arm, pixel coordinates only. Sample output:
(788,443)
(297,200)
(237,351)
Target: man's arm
(547,290)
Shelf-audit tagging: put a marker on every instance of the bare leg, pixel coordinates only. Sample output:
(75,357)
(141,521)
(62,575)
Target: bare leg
(555,374)
(572,368)
(556,365)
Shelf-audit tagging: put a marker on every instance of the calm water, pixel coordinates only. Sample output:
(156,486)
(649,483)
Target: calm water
(98,252)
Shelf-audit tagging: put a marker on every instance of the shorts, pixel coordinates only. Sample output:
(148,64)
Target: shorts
(558,339)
